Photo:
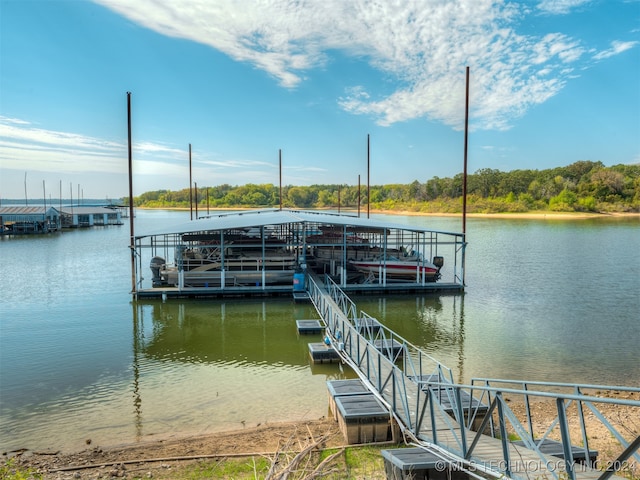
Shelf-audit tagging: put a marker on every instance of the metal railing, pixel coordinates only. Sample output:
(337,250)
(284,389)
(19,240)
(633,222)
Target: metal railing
(471,426)
(569,402)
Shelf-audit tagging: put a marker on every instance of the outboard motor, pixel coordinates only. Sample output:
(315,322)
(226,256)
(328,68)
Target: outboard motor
(438,262)
(156,264)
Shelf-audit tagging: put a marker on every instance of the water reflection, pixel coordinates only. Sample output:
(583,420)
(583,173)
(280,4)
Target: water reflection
(458,334)
(227,352)
(224,332)
(241,362)
(264,333)
(138,341)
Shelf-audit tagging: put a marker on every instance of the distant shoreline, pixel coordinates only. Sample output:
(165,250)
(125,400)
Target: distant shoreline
(524,215)
(506,215)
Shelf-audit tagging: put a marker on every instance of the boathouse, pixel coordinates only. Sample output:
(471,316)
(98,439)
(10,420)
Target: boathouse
(15,220)
(90,216)
(269,252)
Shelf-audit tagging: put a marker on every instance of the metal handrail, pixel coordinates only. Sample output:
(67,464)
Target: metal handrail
(564,400)
(343,301)
(434,412)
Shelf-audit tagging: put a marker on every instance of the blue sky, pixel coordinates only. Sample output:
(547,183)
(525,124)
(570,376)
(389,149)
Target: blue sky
(552,82)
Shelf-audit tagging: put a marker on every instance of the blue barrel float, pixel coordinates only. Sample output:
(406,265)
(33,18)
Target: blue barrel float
(298,280)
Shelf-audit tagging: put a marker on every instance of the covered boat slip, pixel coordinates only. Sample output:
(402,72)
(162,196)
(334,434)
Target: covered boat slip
(270,252)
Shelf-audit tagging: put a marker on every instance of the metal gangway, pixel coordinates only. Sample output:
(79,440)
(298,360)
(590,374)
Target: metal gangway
(473,428)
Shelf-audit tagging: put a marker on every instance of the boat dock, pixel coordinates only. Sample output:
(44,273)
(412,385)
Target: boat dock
(456,430)
(287,291)
(20,220)
(273,252)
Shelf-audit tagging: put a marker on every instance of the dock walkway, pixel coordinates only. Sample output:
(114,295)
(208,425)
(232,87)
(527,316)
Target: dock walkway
(467,426)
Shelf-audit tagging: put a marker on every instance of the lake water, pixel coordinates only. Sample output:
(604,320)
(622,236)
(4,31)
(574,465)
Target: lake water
(549,300)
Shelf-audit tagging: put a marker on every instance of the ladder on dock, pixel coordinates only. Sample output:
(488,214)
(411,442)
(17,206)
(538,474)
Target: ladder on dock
(469,426)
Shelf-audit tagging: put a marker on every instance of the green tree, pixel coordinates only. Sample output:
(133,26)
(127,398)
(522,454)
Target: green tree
(564,201)
(583,185)
(607,183)
(484,182)
(300,197)
(517,181)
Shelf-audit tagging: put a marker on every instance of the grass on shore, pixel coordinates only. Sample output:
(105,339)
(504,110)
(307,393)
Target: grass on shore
(340,464)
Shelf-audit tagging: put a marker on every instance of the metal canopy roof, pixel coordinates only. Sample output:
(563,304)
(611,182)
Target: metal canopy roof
(27,210)
(82,210)
(258,218)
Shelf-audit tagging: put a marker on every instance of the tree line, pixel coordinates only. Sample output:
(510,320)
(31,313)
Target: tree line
(583,186)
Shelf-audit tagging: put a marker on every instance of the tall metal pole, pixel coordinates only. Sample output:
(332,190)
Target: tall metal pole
(60,213)
(190,184)
(195,195)
(368,176)
(466,137)
(464,183)
(358,195)
(280,173)
(131,216)
(44,199)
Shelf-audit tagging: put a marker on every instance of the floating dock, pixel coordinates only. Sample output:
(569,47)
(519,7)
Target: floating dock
(367,325)
(554,448)
(342,388)
(363,419)
(390,348)
(310,327)
(300,296)
(361,416)
(418,464)
(323,353)
(270,252)
(249,291)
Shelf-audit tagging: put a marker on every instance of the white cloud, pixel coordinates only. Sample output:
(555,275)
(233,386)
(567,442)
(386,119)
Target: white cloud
(56,155)
(69,153)
(422,46)
(560,7)
(616,48)
(47,150)
(231,163)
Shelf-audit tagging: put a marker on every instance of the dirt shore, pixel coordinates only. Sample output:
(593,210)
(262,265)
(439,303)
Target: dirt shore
(542,215)
(165,458)
(524,215)
(170,458)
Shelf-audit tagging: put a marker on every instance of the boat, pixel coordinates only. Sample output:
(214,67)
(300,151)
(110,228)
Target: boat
(407,268)
(331,249)
(206,266)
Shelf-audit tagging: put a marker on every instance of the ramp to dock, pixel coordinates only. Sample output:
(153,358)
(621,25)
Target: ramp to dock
(471,427)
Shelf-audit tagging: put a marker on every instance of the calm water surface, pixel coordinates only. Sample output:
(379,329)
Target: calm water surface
(546,300)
